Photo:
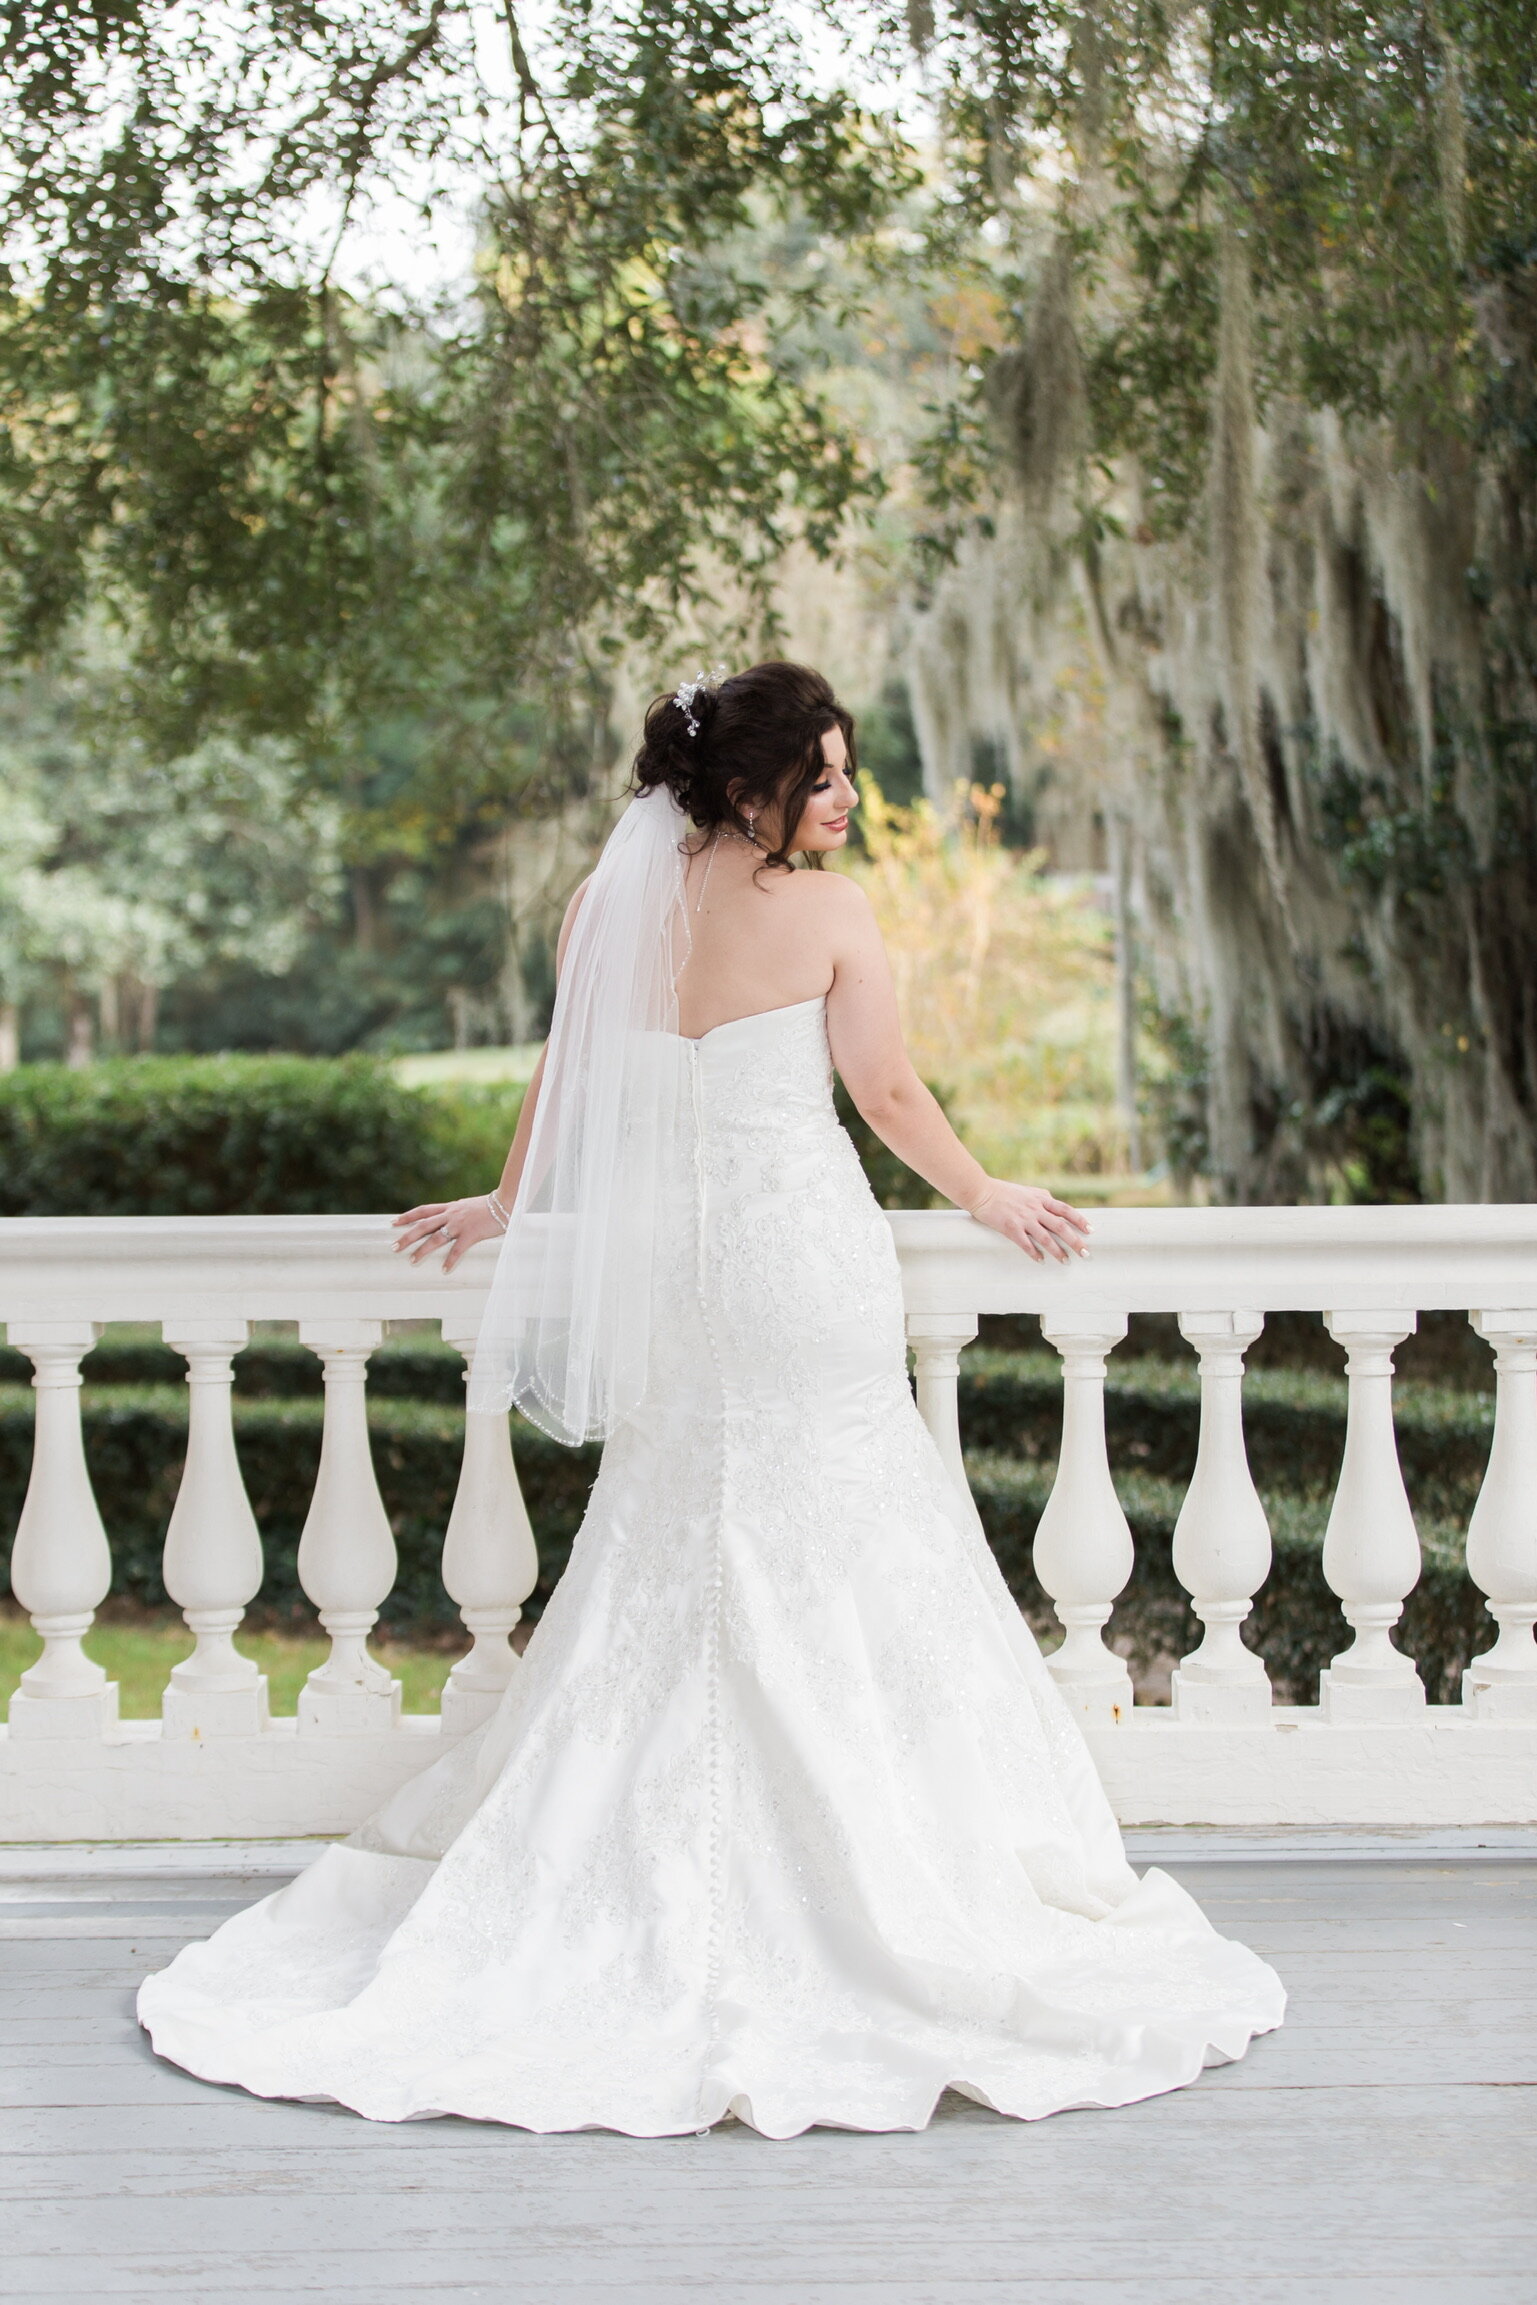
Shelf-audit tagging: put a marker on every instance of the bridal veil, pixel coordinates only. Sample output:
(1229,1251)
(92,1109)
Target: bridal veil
(567,1331)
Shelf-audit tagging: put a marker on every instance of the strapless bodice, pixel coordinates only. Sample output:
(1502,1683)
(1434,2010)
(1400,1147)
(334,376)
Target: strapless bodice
(769,1072)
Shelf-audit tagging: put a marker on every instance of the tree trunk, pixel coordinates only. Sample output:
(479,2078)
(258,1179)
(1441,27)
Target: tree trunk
(147,1018)
(80,1048)
(365,909)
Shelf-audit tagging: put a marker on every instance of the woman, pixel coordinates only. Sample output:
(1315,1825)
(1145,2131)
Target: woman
(783,1816)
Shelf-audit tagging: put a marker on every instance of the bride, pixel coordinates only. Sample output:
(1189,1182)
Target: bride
(783,1816)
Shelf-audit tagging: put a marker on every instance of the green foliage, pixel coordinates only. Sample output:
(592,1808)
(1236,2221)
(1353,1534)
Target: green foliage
(393,533)
(262,1136)
(404,532)
(120,875)
(469,1129)
(312,513)
(247,1136)
(889,750)
(436,955)
(1378,167)
(1177,1094)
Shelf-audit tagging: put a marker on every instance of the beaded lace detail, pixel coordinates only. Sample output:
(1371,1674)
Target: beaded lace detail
(783,1815)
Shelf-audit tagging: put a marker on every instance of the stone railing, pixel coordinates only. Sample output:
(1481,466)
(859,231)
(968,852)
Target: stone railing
(216,1765)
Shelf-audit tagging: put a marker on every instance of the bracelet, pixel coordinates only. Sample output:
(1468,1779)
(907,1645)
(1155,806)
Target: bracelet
(497,1210)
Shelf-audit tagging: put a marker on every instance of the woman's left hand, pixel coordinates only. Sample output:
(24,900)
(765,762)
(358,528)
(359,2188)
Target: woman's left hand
(1033,1219)
(451,1225)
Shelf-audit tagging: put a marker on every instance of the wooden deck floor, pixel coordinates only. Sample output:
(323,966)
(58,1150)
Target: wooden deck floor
(1382,2148)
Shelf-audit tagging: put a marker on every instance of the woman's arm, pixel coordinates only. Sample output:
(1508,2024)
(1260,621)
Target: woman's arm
(458,1225)
(865,1031)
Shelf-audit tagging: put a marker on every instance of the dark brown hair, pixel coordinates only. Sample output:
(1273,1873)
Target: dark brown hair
(757,744)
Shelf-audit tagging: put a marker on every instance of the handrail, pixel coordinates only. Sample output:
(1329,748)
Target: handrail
(1144,1260)
(1371,1751)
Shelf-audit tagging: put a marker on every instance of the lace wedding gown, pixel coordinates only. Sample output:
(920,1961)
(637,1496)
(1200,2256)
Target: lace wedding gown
(782,1816)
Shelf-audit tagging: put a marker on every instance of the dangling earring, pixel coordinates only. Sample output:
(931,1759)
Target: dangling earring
(752,826)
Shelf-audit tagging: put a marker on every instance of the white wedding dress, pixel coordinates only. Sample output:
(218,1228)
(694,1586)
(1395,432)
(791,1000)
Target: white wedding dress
(783,1816)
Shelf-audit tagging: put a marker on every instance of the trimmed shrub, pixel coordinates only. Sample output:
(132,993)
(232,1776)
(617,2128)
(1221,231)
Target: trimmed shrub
(240,1136)
(469,1130)
(275,1136)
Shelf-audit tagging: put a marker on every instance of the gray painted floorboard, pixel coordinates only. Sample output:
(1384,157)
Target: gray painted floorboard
(1380,2150)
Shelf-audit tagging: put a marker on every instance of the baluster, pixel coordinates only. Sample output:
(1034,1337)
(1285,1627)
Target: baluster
(61,1568)
(1222,1538)
(347,1552)
(213,1553)
(937,1340)
(490,1562)
(1502,1535)
(1371,1547)
(1083,1547)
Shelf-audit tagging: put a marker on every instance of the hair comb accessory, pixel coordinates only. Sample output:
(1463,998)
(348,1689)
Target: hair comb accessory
(685,694)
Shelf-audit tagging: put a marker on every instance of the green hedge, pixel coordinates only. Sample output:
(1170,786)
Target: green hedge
(241,1136)
(136,1438)
(263,1136)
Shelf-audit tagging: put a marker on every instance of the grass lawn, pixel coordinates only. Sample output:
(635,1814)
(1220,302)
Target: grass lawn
(139,1654)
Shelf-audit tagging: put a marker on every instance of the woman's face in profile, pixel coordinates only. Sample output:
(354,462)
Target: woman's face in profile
(824,820)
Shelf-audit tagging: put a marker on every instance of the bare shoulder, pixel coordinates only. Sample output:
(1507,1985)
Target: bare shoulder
(827,895)
(829,913)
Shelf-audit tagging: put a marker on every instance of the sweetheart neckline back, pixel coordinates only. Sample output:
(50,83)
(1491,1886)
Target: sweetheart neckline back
(786,1008)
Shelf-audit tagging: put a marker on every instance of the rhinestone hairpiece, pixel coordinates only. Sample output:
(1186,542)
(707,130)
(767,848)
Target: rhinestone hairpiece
(685,693)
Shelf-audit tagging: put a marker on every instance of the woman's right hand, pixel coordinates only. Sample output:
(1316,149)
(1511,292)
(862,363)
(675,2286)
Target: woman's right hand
(451,1225)
(1033,1219)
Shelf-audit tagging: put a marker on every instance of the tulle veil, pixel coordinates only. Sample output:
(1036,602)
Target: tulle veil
(566,1333)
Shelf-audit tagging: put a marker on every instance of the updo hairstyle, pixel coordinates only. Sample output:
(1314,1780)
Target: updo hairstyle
(760,734)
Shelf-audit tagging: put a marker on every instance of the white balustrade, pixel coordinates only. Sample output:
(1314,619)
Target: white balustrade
(937,1340)
(212,1566)
(1371,1751)
(61,1567)
(347,1550)
(490,1562)
(1222,1537)
(1371,1546)
(1502,1534)
(1083,1548)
